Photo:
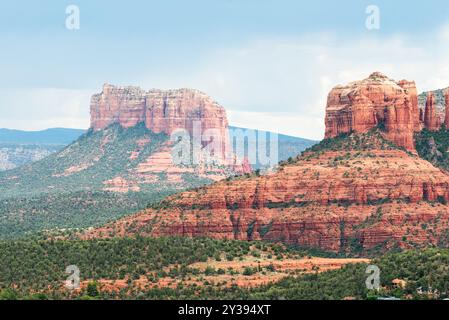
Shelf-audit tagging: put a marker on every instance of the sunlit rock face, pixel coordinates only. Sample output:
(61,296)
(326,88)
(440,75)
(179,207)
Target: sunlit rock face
(378,100)
(162,111)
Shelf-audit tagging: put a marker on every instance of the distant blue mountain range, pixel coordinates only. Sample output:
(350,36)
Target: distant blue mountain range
(18,147)
(288,146)
(61,136)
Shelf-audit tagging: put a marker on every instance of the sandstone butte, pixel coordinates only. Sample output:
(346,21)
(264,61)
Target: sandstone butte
(378,100)
(161,111)
(353,193)
(167,111)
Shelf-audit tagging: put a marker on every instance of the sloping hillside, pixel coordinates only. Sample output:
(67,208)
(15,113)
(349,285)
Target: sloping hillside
(18,148)
(353,194)
(101,176)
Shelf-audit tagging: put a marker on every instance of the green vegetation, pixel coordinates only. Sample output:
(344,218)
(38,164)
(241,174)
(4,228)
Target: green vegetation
(82,209)
(83,165)
(33,265)
(433,146)
(66,189)
(418,268)
(36,270)
(372,140)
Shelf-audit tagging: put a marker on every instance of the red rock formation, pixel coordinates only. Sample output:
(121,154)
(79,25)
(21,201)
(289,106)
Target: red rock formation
(362,105)
(125,105)
(410,87)
(163,111)
(439,105)
(333,200)
(187,111)
(430,117)
(446,100)
(350,194)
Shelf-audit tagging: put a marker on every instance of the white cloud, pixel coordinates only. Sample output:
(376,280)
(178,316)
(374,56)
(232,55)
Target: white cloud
(443,32)
(36,109)
(293,76)
(277,84)
(286,123)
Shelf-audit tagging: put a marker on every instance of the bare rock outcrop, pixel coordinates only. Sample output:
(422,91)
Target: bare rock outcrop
(377,100)
(430,117)
(446,117)
(162,111)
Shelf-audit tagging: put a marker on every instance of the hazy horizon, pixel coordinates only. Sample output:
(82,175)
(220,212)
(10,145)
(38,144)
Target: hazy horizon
(85,129)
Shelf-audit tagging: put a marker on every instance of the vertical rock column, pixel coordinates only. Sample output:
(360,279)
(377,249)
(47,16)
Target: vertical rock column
(430,118)
(446,100)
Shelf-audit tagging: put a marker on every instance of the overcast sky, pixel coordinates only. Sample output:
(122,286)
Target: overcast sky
(269,63)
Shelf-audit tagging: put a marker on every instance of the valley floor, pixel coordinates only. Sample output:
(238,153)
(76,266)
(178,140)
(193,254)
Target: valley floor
(202,268)
(246,272)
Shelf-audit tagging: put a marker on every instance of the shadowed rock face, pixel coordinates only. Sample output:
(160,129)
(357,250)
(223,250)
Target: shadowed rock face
(363,105)
(161,111)
(446,113)
(431,121)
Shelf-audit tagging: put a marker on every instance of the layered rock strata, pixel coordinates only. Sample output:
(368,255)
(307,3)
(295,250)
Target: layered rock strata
(163,111)
(341,201)
(375,101)
(379,101)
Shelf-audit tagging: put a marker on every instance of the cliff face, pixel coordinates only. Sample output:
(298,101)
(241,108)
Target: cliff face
(343,201)
(162,111)
(363,105)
